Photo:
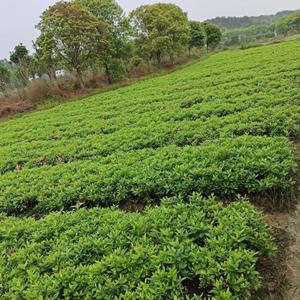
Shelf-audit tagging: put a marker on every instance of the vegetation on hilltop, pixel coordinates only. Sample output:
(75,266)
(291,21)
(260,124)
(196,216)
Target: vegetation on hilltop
(95,37)
(283,26)
(88,44)
(230,23)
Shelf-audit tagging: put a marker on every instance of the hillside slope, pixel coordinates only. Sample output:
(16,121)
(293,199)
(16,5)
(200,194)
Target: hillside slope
(223,126)
(246,21)
(240,107)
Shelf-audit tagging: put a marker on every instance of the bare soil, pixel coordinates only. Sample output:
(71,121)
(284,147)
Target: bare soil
(293,263)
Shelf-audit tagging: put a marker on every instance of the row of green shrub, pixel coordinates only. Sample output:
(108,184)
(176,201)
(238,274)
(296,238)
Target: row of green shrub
(269,122)
(219,127)
(253,92)
(191,250)
(115,110)
(247,165)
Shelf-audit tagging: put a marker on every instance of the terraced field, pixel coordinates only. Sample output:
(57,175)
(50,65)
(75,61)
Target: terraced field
(223,126)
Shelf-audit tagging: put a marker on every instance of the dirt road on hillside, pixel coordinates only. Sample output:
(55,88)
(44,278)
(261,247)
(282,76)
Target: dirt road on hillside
(293,263)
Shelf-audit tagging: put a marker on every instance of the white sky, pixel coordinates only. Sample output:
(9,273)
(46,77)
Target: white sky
(18,17)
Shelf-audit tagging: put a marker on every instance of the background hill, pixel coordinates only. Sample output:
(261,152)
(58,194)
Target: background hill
(246,21)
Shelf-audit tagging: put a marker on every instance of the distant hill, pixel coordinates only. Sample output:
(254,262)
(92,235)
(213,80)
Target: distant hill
(243,22)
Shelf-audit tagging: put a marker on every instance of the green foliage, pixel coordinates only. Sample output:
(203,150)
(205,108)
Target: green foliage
(116,69)
(20,57)
(213,35)
(281,25)
(244,165)
(19,54)
(158,137)
(289,24)
(161,29)
(46,57)
(4,76)
(230,23)
(221,126)
(197,35)
(110,12)
(160,254)
(77,36)
(249,34)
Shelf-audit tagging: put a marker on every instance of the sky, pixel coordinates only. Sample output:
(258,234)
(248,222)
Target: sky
(19,17)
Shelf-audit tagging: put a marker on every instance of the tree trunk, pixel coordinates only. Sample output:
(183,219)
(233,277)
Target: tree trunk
(24,76)
(158,57)
(80,79)
(172,59)
(107,73)
(52,75)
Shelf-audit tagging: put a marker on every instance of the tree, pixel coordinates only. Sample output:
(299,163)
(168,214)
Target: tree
(161,29)
(45,54)
(20,57)
(109,12)
(289,25)
(213,35)
(78,36)
(4,76)
(197,39)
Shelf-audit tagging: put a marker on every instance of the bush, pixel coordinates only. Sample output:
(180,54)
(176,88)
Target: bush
(250,165)
(176,251)
(115,70)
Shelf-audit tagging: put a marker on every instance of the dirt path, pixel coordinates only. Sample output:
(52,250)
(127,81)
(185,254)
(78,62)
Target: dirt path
(293,262)
(283,273)
(293,229)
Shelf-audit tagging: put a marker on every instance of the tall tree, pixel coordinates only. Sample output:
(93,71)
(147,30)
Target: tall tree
(78,36)
(213,35)
(197,39)
(109,12)
(20,57)
(289,25)
(4,76)
(161,29)
(45,54)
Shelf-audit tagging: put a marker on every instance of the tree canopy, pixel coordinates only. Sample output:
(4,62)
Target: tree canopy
(78,36)
(197,39)
(213,35)
(160,29)
(96,37)
(4,76)
(20,57)
(289,24)
(112,14)
(45,54)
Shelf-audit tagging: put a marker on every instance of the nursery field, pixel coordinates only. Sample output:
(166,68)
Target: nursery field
(223,126)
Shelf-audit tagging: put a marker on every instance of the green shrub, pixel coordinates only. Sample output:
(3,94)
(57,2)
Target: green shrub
(229,94)
(116,70)
(247,165)
(175,251)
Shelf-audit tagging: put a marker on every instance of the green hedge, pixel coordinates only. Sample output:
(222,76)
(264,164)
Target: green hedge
(275,121)
(229,94)
(246,165)
(175,251)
